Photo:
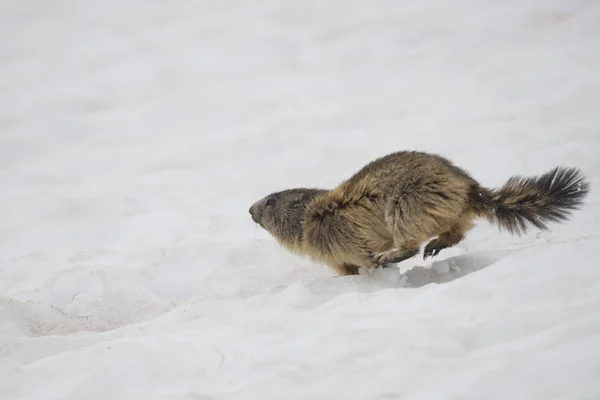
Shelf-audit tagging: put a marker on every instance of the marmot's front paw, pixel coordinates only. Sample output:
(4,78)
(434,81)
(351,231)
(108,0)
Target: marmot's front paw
(393,256)
(384,258)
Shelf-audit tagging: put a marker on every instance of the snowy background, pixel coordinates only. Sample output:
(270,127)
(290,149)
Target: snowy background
(134,135)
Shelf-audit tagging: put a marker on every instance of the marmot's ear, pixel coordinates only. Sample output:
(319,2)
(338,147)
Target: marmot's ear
(300,198)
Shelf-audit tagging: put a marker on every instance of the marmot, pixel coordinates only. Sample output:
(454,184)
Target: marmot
(389,208)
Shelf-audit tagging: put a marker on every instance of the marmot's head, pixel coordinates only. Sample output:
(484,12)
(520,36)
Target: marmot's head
(281,213)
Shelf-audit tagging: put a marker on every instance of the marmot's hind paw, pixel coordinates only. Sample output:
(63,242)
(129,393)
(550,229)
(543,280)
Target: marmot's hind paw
(433,248)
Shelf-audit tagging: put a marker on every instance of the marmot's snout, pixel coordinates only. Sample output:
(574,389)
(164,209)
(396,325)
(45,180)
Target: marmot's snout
(254,213)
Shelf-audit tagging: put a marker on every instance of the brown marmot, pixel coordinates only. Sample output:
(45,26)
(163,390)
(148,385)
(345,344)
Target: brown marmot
(384,212)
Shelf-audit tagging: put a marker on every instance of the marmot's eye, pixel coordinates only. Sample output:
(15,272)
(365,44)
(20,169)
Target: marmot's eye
(270,202)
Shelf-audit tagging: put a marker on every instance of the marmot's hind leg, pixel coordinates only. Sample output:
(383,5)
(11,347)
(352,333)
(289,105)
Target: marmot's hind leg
(449,238)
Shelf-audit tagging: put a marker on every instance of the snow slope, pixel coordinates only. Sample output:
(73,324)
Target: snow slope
(135,135)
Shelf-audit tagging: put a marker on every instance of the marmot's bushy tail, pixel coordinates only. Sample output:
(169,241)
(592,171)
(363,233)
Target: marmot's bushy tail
(535,201)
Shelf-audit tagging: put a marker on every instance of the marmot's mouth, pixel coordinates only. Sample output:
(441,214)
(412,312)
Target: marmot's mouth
(258,222)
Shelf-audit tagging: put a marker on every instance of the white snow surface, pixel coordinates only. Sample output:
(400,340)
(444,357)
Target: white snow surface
(135,135)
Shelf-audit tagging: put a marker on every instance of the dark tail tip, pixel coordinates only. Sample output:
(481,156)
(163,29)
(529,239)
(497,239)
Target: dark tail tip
(566,186)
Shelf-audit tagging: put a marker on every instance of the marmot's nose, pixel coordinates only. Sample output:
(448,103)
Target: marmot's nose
(251,211)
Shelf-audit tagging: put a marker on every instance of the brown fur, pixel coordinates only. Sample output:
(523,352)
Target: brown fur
(390,207)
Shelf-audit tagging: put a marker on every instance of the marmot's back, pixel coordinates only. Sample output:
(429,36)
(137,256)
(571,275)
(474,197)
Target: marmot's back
(408,170)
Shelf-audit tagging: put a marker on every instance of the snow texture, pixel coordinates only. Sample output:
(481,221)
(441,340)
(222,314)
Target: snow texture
(135,135)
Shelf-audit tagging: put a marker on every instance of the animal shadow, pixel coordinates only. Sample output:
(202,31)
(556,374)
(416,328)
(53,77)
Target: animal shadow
(449,269)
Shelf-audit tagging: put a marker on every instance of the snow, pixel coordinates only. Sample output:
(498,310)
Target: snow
(135,135)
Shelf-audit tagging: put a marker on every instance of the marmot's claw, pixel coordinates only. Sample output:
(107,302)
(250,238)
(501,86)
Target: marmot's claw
(431,253)
(377,258)
(432,249)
